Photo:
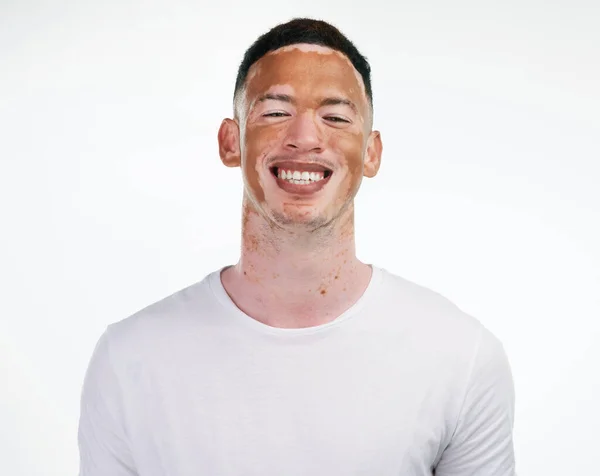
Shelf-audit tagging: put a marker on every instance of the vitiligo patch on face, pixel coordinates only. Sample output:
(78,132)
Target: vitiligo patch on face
(283,89)
(308,49)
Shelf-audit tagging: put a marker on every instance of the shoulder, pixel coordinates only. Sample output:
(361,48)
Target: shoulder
(431,318)
(423,306)
(157,326)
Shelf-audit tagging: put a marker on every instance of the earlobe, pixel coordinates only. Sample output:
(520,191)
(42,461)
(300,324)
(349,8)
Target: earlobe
(373,155)
(229,143)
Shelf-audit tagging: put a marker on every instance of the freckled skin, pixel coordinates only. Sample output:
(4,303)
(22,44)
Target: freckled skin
(293,244)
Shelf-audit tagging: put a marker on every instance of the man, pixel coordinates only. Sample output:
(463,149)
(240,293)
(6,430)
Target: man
(299,360)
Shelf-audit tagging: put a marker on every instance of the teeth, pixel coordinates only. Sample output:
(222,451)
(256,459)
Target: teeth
(300,178)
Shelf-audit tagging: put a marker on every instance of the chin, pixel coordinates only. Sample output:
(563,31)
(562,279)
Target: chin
(305,220)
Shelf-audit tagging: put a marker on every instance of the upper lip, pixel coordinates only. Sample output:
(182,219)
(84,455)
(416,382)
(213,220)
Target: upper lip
(307,165)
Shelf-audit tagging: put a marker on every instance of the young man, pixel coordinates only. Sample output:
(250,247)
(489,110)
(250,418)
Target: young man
(299,360)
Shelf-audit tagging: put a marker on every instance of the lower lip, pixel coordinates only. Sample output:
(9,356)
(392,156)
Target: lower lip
(307,189)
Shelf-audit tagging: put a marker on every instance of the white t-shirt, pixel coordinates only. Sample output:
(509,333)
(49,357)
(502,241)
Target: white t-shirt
(402,384)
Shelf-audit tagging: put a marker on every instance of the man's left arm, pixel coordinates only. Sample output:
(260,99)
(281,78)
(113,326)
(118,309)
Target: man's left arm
(482,443)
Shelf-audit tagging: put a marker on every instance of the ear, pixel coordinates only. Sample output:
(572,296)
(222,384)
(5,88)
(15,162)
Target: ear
(373,155)
(229,143)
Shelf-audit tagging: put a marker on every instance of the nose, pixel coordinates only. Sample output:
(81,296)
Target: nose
(303,134)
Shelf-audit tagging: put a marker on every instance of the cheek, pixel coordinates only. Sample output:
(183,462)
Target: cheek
(251,148)
(351,147)
(258,144)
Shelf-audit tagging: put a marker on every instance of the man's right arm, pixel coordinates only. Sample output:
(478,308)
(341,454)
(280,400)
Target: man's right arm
(103,444)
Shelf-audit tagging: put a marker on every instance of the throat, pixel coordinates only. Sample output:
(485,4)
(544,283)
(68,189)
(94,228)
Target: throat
(294,294)
(286,278)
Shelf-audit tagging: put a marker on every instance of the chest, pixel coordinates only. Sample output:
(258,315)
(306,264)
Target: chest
(292,411)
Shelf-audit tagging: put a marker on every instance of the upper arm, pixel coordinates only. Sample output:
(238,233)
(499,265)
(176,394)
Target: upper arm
(482,443)
(103,445)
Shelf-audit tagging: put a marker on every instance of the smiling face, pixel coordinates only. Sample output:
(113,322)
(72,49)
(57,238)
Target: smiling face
(302,136)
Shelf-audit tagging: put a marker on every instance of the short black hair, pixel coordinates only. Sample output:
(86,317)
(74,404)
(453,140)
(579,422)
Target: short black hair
(304,30)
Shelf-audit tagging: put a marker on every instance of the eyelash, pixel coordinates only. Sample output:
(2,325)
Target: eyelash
(275,114)
(338,119)
(283,114)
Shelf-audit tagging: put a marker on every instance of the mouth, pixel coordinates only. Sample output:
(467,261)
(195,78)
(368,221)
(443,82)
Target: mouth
(301,179)
(301,175)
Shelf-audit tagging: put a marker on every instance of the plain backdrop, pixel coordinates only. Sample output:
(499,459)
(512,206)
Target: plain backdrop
(112,194)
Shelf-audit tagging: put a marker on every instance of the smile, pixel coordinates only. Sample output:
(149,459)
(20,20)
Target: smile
(301,178)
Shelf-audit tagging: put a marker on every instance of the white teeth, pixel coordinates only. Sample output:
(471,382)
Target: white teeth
(300,178)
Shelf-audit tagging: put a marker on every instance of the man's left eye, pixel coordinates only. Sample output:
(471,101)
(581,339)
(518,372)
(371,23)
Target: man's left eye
(336,119)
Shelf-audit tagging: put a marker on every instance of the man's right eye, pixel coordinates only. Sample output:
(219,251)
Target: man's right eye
(276,114)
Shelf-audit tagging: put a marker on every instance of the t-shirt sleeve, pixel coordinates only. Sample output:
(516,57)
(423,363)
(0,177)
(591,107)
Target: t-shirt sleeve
(103,445)
(482,443)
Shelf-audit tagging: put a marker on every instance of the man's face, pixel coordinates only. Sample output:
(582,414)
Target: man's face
(304,134)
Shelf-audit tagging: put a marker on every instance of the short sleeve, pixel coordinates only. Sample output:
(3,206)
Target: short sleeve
(103,445)
(482,443)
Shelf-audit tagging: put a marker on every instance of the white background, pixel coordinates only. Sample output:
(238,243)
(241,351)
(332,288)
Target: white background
(112,194)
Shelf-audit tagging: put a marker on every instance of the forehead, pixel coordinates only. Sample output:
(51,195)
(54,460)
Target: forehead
(307,69)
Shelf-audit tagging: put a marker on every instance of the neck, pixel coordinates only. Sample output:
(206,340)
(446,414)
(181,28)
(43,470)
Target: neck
(296,278)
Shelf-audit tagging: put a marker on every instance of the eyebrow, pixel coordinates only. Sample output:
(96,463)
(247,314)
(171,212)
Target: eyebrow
(334,101)
(276,97)
(330,101)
